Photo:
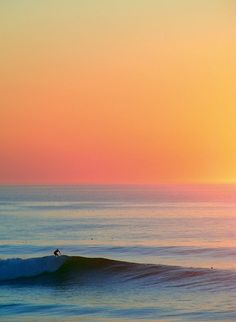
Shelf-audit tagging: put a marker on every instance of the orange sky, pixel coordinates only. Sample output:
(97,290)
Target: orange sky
(117,91)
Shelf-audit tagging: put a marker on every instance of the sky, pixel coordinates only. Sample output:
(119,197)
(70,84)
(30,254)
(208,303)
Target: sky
(128,91)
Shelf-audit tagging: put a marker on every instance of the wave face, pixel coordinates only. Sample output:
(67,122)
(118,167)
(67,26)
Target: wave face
(17,267)
(76,270)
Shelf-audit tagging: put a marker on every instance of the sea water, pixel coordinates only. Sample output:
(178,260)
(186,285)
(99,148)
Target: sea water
(151,253)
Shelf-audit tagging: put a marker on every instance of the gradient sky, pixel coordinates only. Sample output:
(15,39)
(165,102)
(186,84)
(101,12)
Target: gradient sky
(128,91)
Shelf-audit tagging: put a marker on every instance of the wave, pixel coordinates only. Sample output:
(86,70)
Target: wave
(76,270)
(14,268)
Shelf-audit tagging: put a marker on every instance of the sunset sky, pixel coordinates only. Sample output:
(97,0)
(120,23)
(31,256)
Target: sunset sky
(128,91)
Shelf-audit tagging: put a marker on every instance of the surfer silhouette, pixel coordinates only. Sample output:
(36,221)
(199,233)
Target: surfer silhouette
(57,252)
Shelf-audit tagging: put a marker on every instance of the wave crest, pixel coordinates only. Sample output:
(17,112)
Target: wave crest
(17,267)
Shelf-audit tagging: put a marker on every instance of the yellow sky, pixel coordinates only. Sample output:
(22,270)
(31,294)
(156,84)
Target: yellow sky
(117,91)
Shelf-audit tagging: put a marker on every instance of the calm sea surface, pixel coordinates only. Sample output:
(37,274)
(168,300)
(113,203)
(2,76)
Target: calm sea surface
(154,253)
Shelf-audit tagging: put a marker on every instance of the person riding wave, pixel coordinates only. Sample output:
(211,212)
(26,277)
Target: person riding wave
(57,252)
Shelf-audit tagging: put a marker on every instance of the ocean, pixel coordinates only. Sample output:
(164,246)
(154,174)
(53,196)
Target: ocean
(129,253)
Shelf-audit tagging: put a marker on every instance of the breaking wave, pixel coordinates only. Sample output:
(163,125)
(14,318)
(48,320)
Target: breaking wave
(14,268)
(76,269)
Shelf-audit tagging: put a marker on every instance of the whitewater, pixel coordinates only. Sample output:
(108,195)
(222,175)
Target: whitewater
(151,253)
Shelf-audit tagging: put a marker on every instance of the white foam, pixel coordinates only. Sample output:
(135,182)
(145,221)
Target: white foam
(18,267)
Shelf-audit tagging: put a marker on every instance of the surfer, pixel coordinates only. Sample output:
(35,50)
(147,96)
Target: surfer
(57,252)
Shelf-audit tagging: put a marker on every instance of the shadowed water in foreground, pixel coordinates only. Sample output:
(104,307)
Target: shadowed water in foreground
(116,288)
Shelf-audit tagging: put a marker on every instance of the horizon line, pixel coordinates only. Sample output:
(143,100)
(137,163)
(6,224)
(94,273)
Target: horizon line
(117,184)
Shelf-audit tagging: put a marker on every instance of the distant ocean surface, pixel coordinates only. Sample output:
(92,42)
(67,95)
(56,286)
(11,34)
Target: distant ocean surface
(129,253)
